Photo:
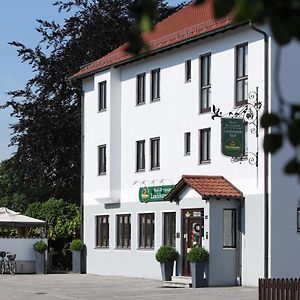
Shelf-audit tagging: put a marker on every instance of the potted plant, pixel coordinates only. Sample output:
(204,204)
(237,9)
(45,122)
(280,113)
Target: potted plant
(166,255)
(197,257)
(40,247)
(76,247)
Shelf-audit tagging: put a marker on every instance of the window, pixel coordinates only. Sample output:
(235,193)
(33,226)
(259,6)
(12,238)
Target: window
(146,238)
(204,145)
(155,85)
(102,231)
(140,155)
(241,71)
(123,231)
(102,96)
(298,219)
(102,159)
(229,228)
(188,71)
(140,90)
(187,143)
(170,229)
(205,83)
(154,153)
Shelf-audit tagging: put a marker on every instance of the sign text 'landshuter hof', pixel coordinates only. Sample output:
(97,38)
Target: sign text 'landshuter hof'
(154,193)
(233,137)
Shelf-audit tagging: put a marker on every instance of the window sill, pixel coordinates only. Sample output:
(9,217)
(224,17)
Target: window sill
(140,171)
(101,248)
(102,110)
(155,169)
(205,162)
(155,100)
(205,110)
(229,248)
(140,104)
(102,174)
(188,81)
(146,249)
(123,248)
(187,154)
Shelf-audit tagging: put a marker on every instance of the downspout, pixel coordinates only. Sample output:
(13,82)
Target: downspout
(82,168)
(266,156)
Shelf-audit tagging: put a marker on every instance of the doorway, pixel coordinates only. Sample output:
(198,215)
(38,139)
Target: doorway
(192,233)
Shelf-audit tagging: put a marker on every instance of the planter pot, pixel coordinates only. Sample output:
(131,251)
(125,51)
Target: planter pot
(197,272)
(76,261)
(167,270)
(40,262)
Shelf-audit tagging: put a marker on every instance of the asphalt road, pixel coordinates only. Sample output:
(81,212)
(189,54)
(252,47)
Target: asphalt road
(81,287)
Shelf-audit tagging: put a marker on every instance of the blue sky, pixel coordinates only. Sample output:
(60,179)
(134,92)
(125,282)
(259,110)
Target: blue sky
(18,22)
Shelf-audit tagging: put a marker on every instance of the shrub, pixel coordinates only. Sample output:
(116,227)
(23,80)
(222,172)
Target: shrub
(76,245)
(40,246)
(197,254)
(166,254)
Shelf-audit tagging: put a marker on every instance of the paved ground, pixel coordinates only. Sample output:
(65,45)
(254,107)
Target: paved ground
(85,287)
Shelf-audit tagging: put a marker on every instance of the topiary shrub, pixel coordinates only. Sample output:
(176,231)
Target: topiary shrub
(40,246)
(166,253)
(76,245)
(197,254)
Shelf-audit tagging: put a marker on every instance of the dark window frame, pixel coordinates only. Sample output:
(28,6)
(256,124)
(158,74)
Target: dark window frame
(205,87)
(102,167)
(155,82)
(233,228)
(102,105)
(146,232)
(102,231)
(187,143)
(169,229)
(141,89)
(204,143)
(243,78)
(298,219)
(188,71)
(123,231)
(155,159)
(140,165)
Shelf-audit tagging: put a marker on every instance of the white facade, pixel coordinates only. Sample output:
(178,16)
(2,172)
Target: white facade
(123,123)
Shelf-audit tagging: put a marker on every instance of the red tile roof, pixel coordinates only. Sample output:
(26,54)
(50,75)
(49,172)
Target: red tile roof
(189,22)
(206,186)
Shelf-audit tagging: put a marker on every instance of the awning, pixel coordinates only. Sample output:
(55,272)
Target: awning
(207,186)
(11,218)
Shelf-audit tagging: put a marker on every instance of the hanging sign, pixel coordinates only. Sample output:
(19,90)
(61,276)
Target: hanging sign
(154,193)
(233,137)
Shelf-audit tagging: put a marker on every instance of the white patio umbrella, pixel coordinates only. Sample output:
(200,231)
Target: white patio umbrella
(11,218)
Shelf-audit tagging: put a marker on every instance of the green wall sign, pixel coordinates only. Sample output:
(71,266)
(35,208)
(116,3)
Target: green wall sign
(154,193)
(233,137)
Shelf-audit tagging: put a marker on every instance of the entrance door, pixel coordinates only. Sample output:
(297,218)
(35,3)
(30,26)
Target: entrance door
(192,233)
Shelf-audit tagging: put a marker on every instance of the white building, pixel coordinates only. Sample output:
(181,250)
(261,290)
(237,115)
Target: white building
(148,121)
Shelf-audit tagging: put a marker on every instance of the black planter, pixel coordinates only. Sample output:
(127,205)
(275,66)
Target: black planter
(40,262)
(167,270)
(76,261)
(197,272)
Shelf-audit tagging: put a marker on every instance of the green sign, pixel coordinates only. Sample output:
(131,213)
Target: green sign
(233,137)
(154,193)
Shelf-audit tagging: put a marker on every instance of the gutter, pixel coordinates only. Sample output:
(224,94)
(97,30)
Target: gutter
(266,155)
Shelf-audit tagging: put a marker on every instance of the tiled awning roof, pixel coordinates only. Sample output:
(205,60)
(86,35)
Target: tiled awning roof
(189,22)
(206,186)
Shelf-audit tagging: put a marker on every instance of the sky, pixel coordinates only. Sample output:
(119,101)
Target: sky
(18,23)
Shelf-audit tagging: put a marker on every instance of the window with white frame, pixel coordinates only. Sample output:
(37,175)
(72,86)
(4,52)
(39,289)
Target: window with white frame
(140,156)
(241,74)
(229,228)
(187,143)
(102,160)
(155,153)
(124,231)
(146,231)
(204,145)
(205,83)
(188,70)
(155,85)
(140,89)
(102,95)
(102,231)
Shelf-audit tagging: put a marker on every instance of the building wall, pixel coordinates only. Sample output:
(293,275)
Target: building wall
(177,112)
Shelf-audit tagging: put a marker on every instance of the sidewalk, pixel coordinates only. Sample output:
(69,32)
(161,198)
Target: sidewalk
(85,287)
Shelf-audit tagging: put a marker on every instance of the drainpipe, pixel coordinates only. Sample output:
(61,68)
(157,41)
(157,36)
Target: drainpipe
(266,156)
(82,167)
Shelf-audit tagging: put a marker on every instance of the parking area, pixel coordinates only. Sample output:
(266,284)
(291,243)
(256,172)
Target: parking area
(75,286)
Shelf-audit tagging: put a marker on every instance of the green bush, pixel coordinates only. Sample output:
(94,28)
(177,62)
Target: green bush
(40,246)
(76,245)
(166,254)
(197,254)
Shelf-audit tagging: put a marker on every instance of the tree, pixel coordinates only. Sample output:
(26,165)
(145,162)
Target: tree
(47,133)
(283,16)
